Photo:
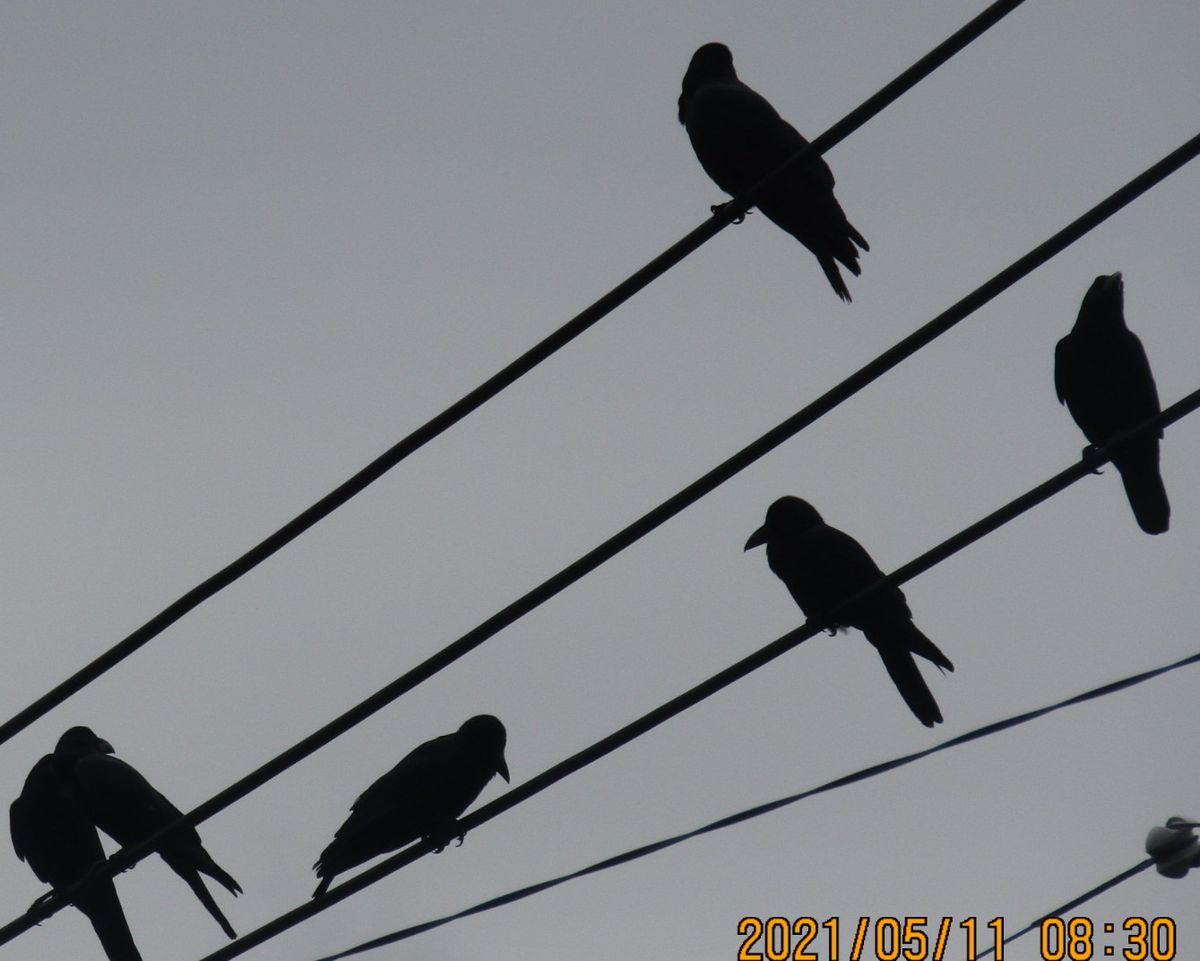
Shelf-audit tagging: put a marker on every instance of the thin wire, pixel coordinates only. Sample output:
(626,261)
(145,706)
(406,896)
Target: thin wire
(499,381)
(707,688)
(1073,904)
(127,857)
(759,810)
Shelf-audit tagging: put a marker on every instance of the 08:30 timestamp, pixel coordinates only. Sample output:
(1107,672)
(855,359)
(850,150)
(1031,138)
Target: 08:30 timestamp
(918,939)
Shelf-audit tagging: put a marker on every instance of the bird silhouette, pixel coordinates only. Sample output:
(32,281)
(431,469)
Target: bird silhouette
(739,138)
(51,831)
(421,797)
(126,807)
(822,567)
(1101,373)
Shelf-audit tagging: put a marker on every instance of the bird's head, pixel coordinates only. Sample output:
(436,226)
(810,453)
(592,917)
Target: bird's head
(788,517)
(711,62)
(79,741)
(486,737)
(1104,302)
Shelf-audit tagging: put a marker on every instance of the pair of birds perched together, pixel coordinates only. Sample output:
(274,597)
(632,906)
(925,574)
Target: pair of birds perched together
(82,787)
(1101,372)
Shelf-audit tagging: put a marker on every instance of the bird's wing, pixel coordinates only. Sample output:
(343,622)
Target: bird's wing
(409,781)
(31,815)
(396,807)
(120,800)
(1135,385)
(772,138)
(20,825)
(1064,370)
(740,137)
(49,830)
(844,568)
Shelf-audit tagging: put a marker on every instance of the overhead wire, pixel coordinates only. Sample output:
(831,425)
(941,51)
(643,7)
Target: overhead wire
(1073,904)
(712,685)
(127,857)
(768,807)
(505,377)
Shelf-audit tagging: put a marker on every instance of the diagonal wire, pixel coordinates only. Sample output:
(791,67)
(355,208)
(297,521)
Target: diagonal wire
(759,810)
(707,688)
(499,381)
(127,857)
(1074,903)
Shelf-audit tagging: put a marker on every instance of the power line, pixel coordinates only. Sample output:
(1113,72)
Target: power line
(766,808)
(1075,902)
(707,688)
(499,381)
(127,857)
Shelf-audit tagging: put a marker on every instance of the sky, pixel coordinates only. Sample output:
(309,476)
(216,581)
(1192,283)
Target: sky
(247,247)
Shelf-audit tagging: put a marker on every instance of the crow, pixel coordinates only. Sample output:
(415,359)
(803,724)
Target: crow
(1101,373)
(126,807)
(54,835)
(421,797)
(739,138)
(821,567)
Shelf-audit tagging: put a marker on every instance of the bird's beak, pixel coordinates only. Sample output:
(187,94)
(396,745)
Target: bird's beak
(502,768)
(757,539)
(104,747)
(1114,281)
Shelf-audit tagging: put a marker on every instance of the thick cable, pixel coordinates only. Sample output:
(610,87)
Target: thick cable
(1074,903)
(499,381)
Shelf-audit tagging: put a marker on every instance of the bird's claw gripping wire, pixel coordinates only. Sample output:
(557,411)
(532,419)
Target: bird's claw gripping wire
(442,840)
(736,220)
(1089,454)
(39,902)
(51,893)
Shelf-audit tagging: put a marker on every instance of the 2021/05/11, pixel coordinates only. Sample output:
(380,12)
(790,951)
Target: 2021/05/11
(914,939)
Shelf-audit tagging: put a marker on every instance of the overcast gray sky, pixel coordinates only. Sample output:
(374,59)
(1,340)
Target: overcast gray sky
(249,246)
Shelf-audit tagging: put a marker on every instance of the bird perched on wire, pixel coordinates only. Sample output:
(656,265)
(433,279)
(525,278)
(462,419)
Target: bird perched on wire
(821,567)
(51,831)
(1101,373)
(421,797)
(739,139)
(126,807)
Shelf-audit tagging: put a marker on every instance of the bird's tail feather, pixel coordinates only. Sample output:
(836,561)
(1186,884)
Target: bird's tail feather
(856,237)
(829,265)
(904,635)
(842,237)
(325,866)
(103,910)
(192,876)
(822,228)
(903,670)
(1146,493)
(218,873)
